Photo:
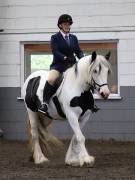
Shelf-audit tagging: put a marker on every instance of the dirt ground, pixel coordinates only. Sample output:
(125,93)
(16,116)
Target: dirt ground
(114,161)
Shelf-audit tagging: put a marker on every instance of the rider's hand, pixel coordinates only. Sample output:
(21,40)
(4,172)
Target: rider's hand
(70,60)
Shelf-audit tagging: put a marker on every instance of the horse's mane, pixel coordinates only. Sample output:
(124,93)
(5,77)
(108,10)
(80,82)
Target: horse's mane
(83,69)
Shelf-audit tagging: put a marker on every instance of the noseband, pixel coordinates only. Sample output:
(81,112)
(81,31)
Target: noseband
(94,84)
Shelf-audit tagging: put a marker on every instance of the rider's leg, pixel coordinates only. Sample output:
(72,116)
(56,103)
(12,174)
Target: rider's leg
(49,89)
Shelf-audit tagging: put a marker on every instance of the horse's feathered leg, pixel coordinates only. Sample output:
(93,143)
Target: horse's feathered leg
(38,156)
(73,156)
(78,158)
(82,121)
(77,154)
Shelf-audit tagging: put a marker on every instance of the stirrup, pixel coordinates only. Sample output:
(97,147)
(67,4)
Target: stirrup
(43,108)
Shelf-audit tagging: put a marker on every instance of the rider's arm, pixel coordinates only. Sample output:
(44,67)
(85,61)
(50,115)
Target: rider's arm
(78,51)
(55,50)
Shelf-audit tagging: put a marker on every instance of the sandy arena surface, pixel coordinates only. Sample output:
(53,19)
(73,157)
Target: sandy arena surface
(114,161)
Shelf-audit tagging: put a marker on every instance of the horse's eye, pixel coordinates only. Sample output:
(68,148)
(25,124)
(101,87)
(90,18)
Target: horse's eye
(95,71)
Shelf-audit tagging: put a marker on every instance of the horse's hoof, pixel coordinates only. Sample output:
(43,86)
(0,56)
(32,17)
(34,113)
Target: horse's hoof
(74,163)
(89,161)
(41,160)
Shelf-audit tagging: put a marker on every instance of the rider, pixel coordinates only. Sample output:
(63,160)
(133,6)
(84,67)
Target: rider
(64,45)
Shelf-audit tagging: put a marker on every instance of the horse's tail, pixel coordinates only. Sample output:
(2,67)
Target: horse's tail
(46,138)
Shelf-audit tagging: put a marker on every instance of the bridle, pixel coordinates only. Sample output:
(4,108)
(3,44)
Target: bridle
(94,85)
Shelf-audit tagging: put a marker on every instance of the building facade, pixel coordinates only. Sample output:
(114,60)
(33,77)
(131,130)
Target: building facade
(26,28)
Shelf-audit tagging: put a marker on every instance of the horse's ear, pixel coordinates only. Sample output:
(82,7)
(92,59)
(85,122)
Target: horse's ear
(107,56)
(93,56)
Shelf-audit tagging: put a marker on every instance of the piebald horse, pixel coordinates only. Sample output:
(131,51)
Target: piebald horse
(72,101)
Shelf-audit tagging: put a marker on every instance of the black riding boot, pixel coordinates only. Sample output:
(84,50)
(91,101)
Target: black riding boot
(49,90)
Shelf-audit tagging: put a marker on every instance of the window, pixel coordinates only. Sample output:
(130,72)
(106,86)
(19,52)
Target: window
(36,57)
(40,61)
(39,56)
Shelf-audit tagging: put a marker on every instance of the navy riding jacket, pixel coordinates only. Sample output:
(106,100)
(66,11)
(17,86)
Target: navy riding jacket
(60,49)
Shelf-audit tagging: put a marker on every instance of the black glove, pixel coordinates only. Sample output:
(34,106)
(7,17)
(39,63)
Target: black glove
(71,60)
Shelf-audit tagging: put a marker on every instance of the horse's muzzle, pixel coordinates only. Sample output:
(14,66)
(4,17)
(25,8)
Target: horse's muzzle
(104,92)
(104,95)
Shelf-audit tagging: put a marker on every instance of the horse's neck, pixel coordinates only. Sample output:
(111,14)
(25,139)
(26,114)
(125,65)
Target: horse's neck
(83,72)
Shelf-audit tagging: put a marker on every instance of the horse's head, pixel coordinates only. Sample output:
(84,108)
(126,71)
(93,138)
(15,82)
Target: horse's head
(99,70)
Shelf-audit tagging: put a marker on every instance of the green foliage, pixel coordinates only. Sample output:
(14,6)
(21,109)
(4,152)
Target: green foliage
(39,62)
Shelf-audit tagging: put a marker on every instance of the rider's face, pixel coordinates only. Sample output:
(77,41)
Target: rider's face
(65,27)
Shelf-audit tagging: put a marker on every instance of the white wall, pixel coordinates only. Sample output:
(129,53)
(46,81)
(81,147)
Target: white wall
(34,20)
(32,15)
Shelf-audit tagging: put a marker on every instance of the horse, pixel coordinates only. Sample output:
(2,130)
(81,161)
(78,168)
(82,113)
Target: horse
(73,101)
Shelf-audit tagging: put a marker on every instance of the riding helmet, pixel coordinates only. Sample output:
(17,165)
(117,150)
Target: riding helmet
(65,18)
